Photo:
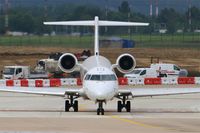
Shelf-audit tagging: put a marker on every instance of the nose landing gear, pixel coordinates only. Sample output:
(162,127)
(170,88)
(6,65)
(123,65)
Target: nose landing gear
(100,109)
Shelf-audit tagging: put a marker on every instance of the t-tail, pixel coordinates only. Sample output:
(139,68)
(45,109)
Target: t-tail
(96,23)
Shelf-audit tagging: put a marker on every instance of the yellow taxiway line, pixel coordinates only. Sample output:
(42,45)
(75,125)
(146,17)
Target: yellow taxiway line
(134,122)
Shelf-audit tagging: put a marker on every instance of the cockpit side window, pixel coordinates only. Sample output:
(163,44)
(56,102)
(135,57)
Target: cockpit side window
(87,77)
(113,77)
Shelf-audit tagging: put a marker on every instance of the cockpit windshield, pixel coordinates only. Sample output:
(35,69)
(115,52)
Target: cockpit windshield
(110,77)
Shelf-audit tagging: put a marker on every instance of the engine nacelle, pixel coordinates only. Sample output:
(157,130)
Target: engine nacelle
(67,62)
(125,63)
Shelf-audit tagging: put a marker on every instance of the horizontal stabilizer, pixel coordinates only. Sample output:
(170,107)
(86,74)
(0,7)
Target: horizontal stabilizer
(100,23)
(72,23)
(96,23)
(118,23)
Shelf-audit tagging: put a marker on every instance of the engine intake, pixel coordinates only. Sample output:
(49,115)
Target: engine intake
(67,62)
(125,63)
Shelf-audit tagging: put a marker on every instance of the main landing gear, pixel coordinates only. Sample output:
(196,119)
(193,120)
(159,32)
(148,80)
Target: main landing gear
(71,103)
(123,104)
(100,109)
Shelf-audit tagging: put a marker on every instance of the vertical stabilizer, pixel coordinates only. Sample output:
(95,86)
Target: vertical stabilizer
(96,23)
(96,37)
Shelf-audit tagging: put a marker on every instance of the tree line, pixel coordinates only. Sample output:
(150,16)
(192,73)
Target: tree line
(30,19)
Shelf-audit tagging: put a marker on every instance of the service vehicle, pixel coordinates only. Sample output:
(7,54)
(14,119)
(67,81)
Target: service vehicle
(169,70)
(142,73)
(158,70)
(48,65)
(21,72)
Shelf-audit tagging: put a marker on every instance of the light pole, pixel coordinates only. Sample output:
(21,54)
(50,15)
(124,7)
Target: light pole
(190,15)
(129,18)
(6,17)
(106,7)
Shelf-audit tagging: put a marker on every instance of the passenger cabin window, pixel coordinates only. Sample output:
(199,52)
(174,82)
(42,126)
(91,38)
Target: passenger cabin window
(110,77)
(176,68)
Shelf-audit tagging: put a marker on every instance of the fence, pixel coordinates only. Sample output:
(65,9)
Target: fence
(86,41)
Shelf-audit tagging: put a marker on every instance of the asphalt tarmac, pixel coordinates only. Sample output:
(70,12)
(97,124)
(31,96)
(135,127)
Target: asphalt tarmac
(23,113)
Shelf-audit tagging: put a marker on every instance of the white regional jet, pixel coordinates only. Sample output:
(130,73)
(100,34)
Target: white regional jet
(100,82)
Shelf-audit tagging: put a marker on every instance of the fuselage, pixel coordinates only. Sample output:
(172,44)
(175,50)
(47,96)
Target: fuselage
(99,81)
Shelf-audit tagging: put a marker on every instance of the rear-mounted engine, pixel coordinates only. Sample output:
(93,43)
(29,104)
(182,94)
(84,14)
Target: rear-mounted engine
(125,63)
(67,62)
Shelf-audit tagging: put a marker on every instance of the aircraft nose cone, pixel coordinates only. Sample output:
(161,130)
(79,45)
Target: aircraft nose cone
(100,95)
(100,91)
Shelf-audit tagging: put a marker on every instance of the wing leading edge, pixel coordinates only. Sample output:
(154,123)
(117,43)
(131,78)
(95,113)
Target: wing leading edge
(53,91)
(143,92)
(134,92)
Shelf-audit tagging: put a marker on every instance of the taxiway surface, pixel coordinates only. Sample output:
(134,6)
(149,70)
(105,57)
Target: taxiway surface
(22,113)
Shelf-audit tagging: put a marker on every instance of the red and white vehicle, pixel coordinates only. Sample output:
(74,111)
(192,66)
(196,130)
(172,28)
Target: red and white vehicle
(158,70)
(169,70)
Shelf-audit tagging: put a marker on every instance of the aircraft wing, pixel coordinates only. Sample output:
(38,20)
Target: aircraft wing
(53,91)
(143,92)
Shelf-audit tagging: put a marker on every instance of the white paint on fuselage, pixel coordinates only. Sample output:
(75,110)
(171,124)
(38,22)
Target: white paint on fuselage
(100,90)
(91,63)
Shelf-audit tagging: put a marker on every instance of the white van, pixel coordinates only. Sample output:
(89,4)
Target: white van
(142,73)
(158,70)
(169,70)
